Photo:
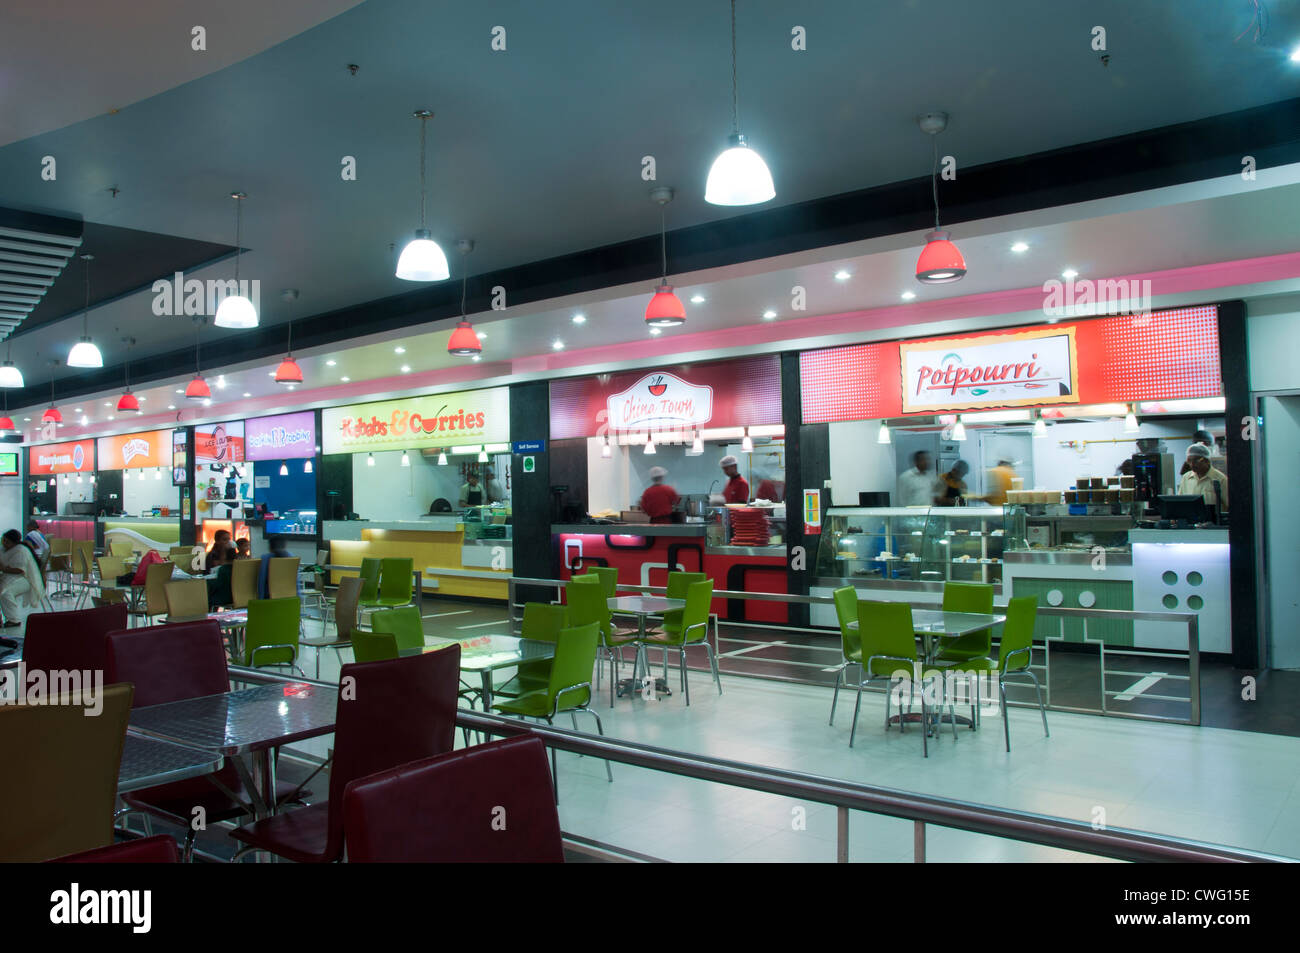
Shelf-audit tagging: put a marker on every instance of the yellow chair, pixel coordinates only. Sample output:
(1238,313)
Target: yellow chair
(110,567)
(121,548)
(187,600)
(243,581)
(282,578)
(156,577)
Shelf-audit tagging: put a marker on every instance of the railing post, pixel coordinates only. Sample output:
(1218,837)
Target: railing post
(918,842)
(842,835)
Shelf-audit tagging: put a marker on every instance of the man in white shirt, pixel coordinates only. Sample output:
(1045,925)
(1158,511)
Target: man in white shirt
(495,493)
(40,545)
(919,485)
(1202,478)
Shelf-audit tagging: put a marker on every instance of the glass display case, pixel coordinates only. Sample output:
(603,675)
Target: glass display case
(917,544)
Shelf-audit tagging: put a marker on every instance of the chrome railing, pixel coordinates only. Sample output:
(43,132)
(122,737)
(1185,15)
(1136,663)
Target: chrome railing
(1188,619)
(922,810)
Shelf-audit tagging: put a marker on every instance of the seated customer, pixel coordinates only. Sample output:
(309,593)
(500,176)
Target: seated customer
(243,548)
(20,578)
(219,593)
(278,551)
(36,539)
(221,552)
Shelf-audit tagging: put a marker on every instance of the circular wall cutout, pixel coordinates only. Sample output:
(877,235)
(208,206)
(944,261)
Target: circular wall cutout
(1194,579)
(1087,599)
(1170,577)
(1170,601)
(1195,602)
(1055,597)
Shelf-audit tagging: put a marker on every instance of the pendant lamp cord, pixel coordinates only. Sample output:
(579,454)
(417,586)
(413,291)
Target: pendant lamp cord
(934,179)
(290,352)
(239,231)
(198,368)
(423,126)
(464,278)
(663,239)
(735,94)
(85,312)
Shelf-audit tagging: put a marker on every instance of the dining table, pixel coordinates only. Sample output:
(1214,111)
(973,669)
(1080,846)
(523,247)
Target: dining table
(148,762)
(486,654)
(643,608)
(246,726)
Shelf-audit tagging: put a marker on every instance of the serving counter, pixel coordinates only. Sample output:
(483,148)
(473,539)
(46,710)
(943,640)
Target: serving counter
(645,552)
(143,532)
(445,542)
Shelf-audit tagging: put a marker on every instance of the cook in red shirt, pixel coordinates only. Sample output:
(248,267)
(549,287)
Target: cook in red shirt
(659,498)
(737,488)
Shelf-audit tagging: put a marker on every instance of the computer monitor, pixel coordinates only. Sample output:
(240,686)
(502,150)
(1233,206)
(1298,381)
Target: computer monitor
(873,499)
(1190,508)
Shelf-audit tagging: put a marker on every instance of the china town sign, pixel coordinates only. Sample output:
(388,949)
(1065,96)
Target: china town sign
(657,401)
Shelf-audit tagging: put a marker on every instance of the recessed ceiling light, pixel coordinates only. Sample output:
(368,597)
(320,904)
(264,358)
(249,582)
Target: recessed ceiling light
(769,314)
(698,299)
(179,391)
(268,374)
(78,411)
(207,401)
(1019,247)
(293,387)
(141,397)
(909,295)
(345,379)
(247,394)
(1069,273)
(579,319)
(84,420)
(482,335)
(27,420)
(655,331)
(842,275)
(108,403)
(1295,55)
(399,350)
(557,345)
(327,364)
(406,368)
(476,358)
(221,380)
(112,418)
(171,406)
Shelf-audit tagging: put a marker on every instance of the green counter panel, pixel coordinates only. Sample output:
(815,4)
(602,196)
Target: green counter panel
(1113,594)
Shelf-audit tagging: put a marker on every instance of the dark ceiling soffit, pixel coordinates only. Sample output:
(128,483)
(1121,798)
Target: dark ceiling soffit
(1172,155)
(36,222)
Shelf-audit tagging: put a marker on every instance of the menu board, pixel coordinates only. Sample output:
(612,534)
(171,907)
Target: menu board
(430,420)
(283,437)
(134,451)
(75,456)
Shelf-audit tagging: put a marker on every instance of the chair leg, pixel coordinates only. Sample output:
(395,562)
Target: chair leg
(889,697)
(686,682)
(839,677)
(187,855)
(857,708)
(1041,710)
(925,723)
(713,664)
(1006,728)
(600,730)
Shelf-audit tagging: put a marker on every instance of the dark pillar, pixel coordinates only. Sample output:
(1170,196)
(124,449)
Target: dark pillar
(533,554)
(807,454)
(1235,357)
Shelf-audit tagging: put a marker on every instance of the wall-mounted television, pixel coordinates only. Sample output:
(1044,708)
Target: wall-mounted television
(8,464)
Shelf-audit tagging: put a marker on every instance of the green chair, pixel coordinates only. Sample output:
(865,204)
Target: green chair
(587,604)
(373,646)
(369,580)
(404,625)
(693,629)
(608,576)
(396,585)
(846,610)
(1015,655)
(271,636)
(888,647)
(542,622)
(568,687)
(967,597)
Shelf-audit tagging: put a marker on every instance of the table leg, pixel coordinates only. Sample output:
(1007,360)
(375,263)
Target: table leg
(486,676)
(257,801)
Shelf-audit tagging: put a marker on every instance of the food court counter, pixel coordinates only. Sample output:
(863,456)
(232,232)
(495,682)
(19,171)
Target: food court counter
(432,543)
(643,553)
(65,527)
(143,532)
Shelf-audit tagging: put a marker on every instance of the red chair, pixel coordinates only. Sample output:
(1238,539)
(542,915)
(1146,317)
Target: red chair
(445,809)
(168,663)
(71,641)
(159,849)
(396,710)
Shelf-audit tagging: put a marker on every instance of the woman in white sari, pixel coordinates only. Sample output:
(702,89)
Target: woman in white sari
(20,578)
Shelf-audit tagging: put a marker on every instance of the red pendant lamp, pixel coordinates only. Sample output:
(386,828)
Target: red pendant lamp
(940,261)
(52,414)
(665,309)
(289,372)
(198,388)
(464,341)
(128,403)
(7,422)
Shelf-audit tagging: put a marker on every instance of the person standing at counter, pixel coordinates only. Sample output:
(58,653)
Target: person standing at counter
(1203,480)
(659,498)
(1000,478)
(495,493)
(471,493)
(918,486)
(737,488)
(953,487)
(1201,436)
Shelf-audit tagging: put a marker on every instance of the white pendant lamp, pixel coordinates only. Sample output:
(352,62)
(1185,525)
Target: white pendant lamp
(747,442)
(406,461)
(370,459)
(697,446)
(482,455)
(649,444)
(236,311)
(306,467)
(605,450)
(882,436)
(959,429)
(1131,421)
(84,353)
(10,375)
(284,469)
(442,458)
(422,259)
(739,175)
(1040,426)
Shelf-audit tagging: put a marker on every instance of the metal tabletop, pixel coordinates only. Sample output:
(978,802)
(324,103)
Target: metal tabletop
(938,622)
(230,617)
(234,723)
(148,761)
(489,652)
(644,605)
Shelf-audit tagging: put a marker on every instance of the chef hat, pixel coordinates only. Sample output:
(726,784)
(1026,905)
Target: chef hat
(1198,450)
(658,473)
(729,461)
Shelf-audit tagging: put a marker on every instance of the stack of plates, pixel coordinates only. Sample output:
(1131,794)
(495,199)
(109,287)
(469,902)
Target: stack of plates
(748,527)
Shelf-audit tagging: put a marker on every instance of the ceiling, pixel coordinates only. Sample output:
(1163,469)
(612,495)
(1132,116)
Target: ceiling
(535,152)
